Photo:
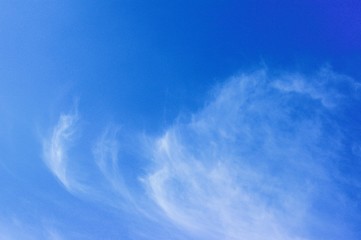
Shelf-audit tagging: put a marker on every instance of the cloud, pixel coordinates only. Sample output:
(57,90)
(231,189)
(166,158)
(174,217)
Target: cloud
(326,86)
(14,228)
(91,174)
(267,157)
(255,161)
(55,150)
(106,156)
(53,234)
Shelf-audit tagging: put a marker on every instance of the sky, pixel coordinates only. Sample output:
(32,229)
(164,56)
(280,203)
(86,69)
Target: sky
(202,120)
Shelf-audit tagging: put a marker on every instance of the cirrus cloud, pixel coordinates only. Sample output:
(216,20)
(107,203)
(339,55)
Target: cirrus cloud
(265,158)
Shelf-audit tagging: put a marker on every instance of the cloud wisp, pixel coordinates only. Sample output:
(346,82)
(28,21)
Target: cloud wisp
(106,156)
(12,228)
(97,177)
(56,151)
(265,158)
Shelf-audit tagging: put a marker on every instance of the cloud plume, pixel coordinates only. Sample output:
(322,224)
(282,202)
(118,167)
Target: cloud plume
(256,160)
(265,158)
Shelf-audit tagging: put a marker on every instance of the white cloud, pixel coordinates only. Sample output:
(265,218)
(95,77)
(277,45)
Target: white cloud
(106,156)
(252,164)
(52,234)
(56,149)
(14,228)
(326,86)
(95,173)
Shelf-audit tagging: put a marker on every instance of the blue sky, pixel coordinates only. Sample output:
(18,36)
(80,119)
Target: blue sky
(180,119)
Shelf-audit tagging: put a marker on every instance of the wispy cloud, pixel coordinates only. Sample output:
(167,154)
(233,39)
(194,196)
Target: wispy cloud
(106,156)
(56,148)
(52,234)
(14,228)
(254,163)
(95,174)
(263,159)
(326,86)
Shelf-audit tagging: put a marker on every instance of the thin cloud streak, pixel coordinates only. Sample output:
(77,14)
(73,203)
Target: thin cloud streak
(56,150)
(328,87)
(14,228)
(106,156)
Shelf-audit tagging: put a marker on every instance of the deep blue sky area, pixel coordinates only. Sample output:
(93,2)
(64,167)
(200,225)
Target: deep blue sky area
(146,88)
